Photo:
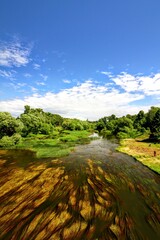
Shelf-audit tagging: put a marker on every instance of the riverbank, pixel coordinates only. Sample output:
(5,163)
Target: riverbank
(145,152)
(58,146)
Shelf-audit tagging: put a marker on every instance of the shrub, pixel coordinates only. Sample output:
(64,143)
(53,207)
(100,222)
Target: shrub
(16,138)
(106,133)
(6,142)
(122,135)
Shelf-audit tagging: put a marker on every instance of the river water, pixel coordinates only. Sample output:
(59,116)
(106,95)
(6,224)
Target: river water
(94,193)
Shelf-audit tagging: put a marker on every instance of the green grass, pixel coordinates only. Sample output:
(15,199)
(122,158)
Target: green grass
(143,151)
(60,146)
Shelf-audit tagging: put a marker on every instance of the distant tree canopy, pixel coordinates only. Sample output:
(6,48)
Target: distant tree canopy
(36,121)
(9,125)
(131,126)
(75,124)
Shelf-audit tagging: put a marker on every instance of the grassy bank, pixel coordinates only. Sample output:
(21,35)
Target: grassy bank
(59,146)
(145,152)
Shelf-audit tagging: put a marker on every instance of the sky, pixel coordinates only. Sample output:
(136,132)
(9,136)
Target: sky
(81,59)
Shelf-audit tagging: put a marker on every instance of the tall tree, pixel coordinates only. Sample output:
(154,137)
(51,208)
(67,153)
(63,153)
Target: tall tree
(9,125)
(156,125)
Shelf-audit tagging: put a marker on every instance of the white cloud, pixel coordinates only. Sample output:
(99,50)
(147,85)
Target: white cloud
(36,66)
(41,83)
(17,86)
(128,82)
(108,74)
(148,85)
(88,100)
(8,74)
(33,89)
(66,81)
(85,101)
(27,75)
(45,77)
(14,54)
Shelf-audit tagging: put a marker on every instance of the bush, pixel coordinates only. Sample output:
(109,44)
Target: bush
(79,127)
(69,138)
(106,133)
(122,135)
(16,138)
(7,141)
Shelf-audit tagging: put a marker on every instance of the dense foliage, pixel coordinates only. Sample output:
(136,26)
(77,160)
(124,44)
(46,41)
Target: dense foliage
(131,126)
(37,122)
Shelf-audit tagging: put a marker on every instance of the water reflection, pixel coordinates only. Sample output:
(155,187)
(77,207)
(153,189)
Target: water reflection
(95,193)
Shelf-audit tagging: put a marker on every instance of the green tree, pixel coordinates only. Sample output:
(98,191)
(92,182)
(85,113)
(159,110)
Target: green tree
(7,141)
(140,121)
(156,125)
(123,124)
(150,117)
(27,109)
(36,121)
(9,125)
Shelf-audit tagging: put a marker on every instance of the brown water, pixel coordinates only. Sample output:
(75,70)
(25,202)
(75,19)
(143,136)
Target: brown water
(94,193)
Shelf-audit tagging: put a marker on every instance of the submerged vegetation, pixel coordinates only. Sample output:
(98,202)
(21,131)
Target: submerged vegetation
(89,198)
(45,146)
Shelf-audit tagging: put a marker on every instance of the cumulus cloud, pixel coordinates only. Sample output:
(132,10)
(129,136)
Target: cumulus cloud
(149,85)
(92,100)
(14,54)
(85,101)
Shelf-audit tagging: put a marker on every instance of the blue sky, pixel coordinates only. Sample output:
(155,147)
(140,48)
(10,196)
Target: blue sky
(85,58)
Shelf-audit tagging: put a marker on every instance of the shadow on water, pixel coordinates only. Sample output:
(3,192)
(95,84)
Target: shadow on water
(19,157)
(94,193)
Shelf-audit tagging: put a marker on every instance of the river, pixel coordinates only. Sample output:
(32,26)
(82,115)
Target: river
(94,193)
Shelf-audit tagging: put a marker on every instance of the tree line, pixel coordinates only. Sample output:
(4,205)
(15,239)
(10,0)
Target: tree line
(131,126)
(35,121)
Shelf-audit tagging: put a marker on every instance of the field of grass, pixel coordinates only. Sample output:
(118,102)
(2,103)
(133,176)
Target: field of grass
(146,152)
(59,146)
